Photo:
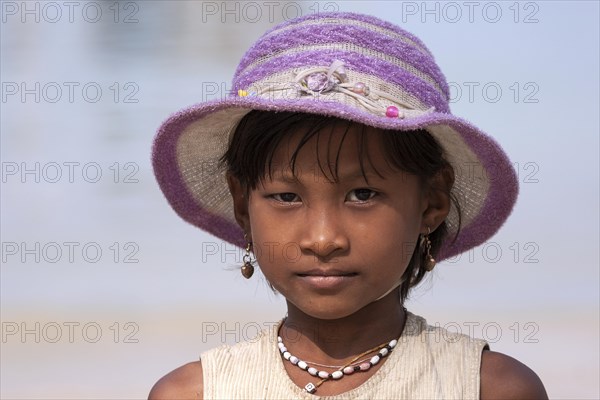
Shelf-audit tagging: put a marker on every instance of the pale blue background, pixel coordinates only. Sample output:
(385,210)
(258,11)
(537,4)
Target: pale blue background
(544,313)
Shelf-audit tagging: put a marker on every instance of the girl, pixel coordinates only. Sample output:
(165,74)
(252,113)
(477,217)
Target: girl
(345,178)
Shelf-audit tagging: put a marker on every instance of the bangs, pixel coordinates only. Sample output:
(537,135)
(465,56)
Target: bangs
(250,157)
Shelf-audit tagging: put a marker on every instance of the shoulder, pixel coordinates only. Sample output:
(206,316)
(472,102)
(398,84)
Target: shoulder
(184,382)
(503,377)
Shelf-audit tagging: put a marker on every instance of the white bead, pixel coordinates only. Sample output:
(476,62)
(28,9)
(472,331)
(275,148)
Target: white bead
(393,343)
(287,355)
(384,352)
(279,339)
(375,360)
(283,349)
(323,374)
(302,365)
(313,371)
(337,374)
(348,370)
(294,360)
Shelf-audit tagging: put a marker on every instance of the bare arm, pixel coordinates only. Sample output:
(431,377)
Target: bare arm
(183,383)
(503,377)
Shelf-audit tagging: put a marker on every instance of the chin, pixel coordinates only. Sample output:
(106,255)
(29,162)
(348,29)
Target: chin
(327,311)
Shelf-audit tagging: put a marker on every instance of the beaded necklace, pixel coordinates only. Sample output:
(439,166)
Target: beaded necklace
(347,369)
(336,366)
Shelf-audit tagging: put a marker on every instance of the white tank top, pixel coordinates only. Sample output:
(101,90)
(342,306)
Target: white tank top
(427,363)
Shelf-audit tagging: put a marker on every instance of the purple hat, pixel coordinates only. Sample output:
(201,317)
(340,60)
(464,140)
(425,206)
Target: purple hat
(345,65)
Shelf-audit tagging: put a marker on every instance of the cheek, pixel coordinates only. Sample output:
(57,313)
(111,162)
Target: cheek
(391,237)
(257,220)
(264,226)
(395,249)
(271,246)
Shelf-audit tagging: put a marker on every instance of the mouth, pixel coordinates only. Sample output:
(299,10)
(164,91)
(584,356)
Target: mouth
(327,280)
(326,273)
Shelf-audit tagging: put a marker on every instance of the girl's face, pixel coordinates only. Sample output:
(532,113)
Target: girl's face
(331,248)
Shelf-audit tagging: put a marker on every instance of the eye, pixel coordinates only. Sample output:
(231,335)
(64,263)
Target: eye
(361,195)
(286,197)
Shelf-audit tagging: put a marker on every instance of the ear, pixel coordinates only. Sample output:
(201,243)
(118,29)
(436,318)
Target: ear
(240,202)
(437,199)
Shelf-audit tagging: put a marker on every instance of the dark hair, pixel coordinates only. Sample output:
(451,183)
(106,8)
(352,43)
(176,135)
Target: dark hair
(249,158)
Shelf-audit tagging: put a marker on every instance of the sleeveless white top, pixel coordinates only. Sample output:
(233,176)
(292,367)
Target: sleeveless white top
(427,363)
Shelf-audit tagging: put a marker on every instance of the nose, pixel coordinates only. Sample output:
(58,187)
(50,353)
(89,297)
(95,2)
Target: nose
(324,234)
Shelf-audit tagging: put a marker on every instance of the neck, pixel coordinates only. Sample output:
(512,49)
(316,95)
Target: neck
(335,340)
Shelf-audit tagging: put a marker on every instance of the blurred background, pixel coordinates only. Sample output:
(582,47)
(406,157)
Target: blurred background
(104,289)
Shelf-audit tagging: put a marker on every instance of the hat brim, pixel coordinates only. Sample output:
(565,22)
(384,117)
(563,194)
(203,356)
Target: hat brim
(190,142)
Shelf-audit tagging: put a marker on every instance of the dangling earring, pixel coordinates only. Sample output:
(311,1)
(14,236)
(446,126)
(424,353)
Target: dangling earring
(247,268)
(428,258)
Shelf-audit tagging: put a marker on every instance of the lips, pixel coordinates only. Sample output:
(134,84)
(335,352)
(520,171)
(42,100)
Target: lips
(326,280)
(318,272)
